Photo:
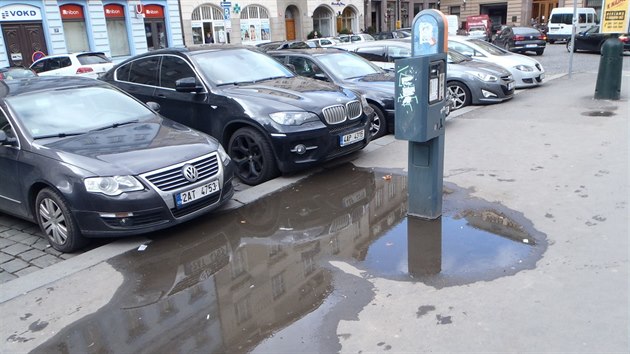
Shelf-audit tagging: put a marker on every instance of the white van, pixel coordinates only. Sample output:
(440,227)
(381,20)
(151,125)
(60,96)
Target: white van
(561,19)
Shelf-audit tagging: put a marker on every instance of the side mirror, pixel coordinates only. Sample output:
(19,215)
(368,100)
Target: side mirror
(188,84)
(5,140)
(320,76)
(154,106)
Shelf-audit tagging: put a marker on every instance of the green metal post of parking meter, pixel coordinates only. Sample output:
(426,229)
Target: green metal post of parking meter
(420,112)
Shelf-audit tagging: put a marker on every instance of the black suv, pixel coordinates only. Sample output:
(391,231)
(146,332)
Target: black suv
(269,119)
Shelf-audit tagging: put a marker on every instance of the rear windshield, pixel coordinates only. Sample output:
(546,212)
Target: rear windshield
(93,58)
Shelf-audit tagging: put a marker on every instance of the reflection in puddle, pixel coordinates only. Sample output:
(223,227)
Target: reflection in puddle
(226,282)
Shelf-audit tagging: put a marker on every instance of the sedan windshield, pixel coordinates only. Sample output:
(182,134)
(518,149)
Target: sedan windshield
(238,66)
(76,110)
(490,48)
(346,65)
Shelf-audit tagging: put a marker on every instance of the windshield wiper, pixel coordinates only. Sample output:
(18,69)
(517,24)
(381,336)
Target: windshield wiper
(238,83)
(115,125)
(57,135)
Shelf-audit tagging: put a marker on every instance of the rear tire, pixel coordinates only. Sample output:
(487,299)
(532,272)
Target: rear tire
(378,125)
(460,94)
(539,52)
(253,156)
(54,218)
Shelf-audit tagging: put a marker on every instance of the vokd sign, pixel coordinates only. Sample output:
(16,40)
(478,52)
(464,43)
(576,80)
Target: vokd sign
(20,13)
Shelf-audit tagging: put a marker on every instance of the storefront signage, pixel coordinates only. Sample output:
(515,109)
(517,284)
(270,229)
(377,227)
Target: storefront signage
(71,12)
(153,11)
(615,16)
(337,3)
(114,11)
(20,13)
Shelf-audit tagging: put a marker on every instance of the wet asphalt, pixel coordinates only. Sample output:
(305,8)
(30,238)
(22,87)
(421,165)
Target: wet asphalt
(531,253)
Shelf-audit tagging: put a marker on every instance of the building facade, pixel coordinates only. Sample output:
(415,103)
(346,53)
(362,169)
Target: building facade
(30,29)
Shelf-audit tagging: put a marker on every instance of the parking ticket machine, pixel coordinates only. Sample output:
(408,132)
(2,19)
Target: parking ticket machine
(421,111)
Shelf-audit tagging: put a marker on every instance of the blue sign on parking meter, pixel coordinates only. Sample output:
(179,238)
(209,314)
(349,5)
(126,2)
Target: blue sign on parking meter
(420,112)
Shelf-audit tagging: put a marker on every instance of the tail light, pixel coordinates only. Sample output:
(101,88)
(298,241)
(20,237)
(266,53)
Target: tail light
(84,70)
(624,39)
(543,37)
(1,76)
(519,38)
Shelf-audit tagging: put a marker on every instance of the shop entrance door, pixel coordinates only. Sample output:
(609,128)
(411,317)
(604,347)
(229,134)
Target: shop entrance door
(22,40)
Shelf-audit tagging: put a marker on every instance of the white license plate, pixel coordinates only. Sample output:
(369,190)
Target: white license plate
(352,138)
(542,76)
(191,195)
(530,45)
(510,86)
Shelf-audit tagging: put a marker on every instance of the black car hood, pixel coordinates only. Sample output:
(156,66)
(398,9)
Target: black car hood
(384,83)
(291,93)
(131,149)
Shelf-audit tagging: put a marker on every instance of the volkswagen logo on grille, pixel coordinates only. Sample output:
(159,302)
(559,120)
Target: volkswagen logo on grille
(190,172)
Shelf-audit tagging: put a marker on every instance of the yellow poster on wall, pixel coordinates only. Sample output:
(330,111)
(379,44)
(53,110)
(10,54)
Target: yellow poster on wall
(615,16)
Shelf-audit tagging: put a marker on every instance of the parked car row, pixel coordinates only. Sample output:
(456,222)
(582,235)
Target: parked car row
(87,158)
(93,158)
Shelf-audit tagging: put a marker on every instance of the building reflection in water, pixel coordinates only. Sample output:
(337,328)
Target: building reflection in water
(226,282)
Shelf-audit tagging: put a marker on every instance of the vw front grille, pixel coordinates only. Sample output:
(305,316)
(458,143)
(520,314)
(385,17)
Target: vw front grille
(172,177)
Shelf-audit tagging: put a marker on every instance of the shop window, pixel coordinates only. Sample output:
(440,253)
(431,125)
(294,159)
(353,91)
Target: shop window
(255,24)
(208,25)
(74,28)
(117,30)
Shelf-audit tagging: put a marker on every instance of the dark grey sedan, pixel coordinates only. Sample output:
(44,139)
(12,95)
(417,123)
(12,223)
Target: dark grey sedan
(83,159)
(521,40)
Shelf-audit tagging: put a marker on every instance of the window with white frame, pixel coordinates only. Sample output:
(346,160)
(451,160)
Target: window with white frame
(255,24)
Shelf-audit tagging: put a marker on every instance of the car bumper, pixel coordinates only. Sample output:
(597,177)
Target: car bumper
(527,47)
(524,79)
(141,212)
(558,37)
(491,93)
(302,149)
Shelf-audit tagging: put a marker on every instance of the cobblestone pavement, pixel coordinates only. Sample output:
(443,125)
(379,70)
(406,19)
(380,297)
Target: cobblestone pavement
(23,249)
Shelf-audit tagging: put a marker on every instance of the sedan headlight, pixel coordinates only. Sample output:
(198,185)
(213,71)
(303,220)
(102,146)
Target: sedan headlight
(485,77)
(112,186)
(524,68)
(293,118)
(225,158)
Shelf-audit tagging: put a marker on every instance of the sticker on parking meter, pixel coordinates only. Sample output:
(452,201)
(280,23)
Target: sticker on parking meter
(426,36)
(433,89)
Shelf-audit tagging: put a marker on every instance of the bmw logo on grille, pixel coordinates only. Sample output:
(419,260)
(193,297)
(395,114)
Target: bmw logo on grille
(190,172)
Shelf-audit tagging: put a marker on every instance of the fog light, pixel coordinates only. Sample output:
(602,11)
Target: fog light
(488,94)
(125,222)
(299,149)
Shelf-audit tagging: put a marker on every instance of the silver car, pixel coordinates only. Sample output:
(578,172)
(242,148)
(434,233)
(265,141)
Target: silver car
(527,72)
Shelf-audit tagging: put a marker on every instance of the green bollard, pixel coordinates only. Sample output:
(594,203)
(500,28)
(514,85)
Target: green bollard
(608,85)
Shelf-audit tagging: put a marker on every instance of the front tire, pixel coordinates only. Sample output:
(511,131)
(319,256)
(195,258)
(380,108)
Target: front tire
(56,221)
(253,156)
(378,125)
(460,94)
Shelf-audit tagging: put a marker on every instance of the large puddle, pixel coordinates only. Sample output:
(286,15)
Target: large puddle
(225,282)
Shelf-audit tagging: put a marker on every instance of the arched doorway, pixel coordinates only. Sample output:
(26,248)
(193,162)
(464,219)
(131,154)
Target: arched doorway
(347,22)
(208,25)
(323,21)
(291,17)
